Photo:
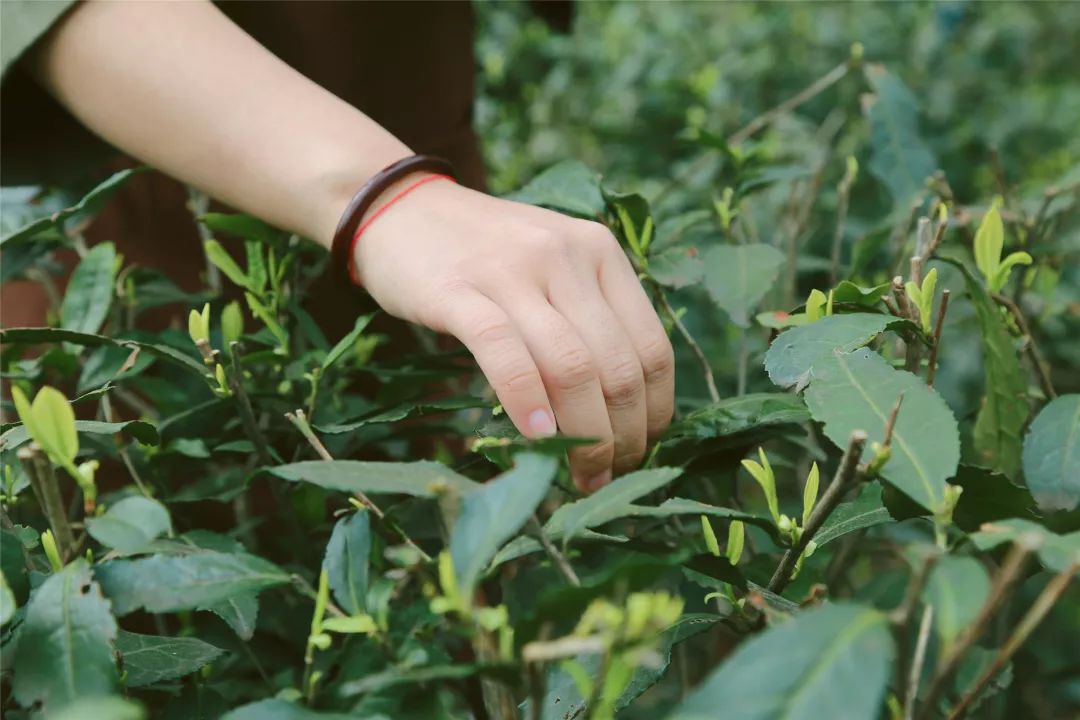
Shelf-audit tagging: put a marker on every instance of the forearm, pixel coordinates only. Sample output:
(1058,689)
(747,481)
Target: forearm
(180,87)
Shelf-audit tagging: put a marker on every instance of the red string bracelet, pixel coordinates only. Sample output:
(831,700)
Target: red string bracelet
(378,213)
(345,235)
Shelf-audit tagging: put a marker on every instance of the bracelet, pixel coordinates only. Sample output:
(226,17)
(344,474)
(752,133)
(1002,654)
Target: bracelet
(344,242)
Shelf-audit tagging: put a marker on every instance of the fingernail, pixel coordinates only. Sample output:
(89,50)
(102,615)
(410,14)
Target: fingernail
(541,423)
(599,481)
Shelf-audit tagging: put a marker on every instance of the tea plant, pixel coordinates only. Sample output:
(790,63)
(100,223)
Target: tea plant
(234,520)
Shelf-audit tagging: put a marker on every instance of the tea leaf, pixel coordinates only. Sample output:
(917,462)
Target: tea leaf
(217,254)
(53,426)
(805,660)
(1057,552)
(989,240)
(346,561)
(90,291)
(857,391)
(956,589)
(899,157)
(608,503)
(161,583)
(569,186)
(738,276)
(1005,410)
(142,431)
(65,643)
(346,343)
(791,358)
(864,511)
(492,513)
(130,524)
(149,659)
(88,205)
(7,600)
(283,710)
(420,479)
(240,612)
(1051,455)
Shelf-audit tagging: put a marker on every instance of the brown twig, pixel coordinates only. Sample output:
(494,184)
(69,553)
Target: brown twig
(912,348)
(918,660)
(811,91)
(931,363)
(847,476)
(1005,580)
(843,196)
(710,381)
(1042,605)
(1042,370)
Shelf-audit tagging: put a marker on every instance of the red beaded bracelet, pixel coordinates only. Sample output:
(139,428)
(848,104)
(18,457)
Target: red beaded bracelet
(342,249)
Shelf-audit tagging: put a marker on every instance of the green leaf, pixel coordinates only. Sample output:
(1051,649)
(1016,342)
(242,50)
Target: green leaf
(739,414)
(569,187)
(220,257)
(864,511)
(494,512)
(65,643)
(130,524)
(404,411)
(90,291)
(989,241)
(347,559)
(791,358)
(232,324)
(141,430)
(7,600)
(683,506)
(53,427)
(112,707)
(32,336)
(263,313)
(1057,552)
(346,343)
(830,662)
(283,710)
(149,659)
(243,226)
(612,501)
(1005,409)
(88,205)
(240,612)
(848,292)
(899,157)
(857,391)
(677,267)
(163,583)
(1001,277)
(957,588)
(738,276)
(1051,455)
(422,478)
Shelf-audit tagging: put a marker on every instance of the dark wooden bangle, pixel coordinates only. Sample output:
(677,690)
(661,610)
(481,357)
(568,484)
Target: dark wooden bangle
(367,195)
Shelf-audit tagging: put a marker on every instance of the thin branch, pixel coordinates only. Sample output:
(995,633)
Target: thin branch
(843,195)
(1005,580)
(299,420)
(808,93)
(710,381)
(912,348)
(42,477)
(931,363)
(1042,605)
(1042,370)
(535,529)
(243,402)
(918,661)
(890,424)
(847,476)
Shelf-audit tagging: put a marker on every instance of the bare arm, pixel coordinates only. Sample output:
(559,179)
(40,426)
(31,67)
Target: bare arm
(549,306)
(179,86)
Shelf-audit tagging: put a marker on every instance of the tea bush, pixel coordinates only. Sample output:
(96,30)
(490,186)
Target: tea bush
(866,507)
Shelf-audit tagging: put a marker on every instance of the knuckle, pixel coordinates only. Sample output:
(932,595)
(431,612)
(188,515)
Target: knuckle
(598,455)
(492,329)
(622,382)
(516,378)
(598,235)
(573,369)
(657,358)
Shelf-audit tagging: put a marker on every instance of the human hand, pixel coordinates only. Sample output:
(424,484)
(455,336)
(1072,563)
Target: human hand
(549,306)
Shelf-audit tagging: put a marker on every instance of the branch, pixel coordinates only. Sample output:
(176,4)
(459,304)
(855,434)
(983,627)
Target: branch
(710,381)
(243,402)
(847,476)
(1043,604)
(808,93)
(1042,370)
(557,558)
(917,662)
(931,364)
(1004,582)
(299,420)
(912,349)
(47,490)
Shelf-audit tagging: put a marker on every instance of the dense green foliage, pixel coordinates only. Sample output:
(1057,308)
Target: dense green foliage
(859,511)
